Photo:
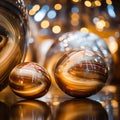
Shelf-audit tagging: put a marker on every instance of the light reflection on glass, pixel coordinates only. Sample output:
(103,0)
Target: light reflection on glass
(84,29)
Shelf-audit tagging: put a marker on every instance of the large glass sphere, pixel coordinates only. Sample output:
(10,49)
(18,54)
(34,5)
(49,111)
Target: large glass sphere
(81,73)
(53,18)
(78,41)
(13,36)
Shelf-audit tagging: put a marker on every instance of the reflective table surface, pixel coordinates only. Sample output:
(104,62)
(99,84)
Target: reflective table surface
(105,105)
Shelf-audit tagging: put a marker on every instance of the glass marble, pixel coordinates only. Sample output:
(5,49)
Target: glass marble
(81,73)
(13,37)
(77,41)
(29,80)
(102,17)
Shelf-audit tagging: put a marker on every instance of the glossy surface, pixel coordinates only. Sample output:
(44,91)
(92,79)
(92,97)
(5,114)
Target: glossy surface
(81,73)
(13,37)
(29,80)
(103,105)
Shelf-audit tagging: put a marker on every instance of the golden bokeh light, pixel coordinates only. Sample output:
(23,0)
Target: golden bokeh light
(109,2)
(75,19)
(84,29)
(56,29)
(58,6)
(45,24)
(75,0)
(100,24)
(31,12)
(75,16)
(97,3)
(75,22)
(88,3)
(36,7)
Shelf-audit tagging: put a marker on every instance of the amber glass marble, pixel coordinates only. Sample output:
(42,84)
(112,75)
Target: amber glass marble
(29,80)
(78,41)
(13,36)
(81,73)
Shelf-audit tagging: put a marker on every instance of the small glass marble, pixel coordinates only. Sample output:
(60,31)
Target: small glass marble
(29,80)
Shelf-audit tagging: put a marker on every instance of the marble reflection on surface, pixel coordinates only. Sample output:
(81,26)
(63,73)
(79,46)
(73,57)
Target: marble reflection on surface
(81,109)
(104,105)
(30,110)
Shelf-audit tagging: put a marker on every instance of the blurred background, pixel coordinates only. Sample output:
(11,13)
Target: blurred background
(49,19)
